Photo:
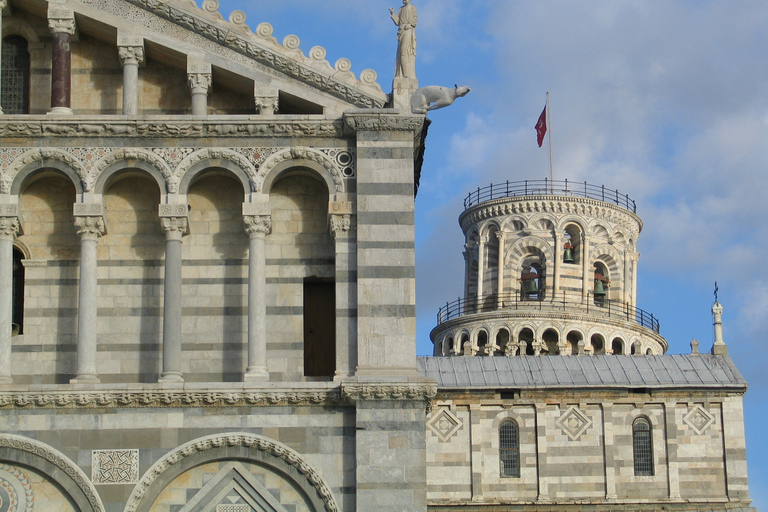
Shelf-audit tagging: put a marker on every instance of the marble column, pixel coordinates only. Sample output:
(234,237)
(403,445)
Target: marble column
(558,265)
(480,266)
(588,279)
(257,227)
(500,274)
(467,265)
(343,230)
(62,25)
(131,55)
(199,80)
(174,228)
(627,277)
(89,229)
(9,228)
(635,258)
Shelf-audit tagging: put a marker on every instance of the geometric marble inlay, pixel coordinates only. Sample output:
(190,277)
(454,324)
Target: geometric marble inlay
(115,466)
(573,423)
(444,424)
(15,490)
(234,508)
(699,419)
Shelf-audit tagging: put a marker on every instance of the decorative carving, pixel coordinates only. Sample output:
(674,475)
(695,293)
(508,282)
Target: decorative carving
(37,449)
(267,100)
(173,210)
(405,19)
(291,42)
(199,82)
(433,97)
(174,227)
(61,21)
(237,18)
(253,441)
(115,466)
(381,122)
(574,423)
(163,398)
(90,228)
(38,155)
(9,227)
(444,424)
(216,154)
(415,392)
(258,225)
(342,226)
(131,54)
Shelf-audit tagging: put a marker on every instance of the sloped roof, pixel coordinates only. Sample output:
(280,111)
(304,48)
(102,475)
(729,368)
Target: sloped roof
(668,371)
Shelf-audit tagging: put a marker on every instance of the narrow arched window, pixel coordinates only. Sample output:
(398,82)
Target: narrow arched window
(509,449)
(642,447)
(18,291)
(14,92)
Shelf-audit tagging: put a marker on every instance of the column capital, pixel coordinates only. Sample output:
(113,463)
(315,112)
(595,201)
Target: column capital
(90,228)
(267,100)
(9,227)
(258,225)
(501,235)
(342,225)
(131,55)
(3,5)
(174,227)
(61,21)
(199,82)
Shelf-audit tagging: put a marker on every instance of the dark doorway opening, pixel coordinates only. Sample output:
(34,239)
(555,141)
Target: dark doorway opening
(319,328)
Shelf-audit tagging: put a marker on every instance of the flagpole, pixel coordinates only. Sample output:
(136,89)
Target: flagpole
(549,135)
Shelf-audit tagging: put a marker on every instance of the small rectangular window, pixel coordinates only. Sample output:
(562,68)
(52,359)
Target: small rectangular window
(509,449)
(319,328)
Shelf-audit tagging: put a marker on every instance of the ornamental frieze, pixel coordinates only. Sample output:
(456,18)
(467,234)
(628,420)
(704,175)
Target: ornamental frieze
(175,128)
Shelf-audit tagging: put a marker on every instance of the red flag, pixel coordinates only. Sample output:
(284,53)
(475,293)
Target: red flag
(541,126)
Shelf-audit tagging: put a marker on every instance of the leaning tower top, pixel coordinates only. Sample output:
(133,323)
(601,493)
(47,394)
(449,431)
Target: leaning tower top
(550,268)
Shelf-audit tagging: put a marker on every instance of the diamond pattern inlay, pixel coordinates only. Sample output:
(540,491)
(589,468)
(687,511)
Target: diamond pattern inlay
(574,423)
(699,419)
(444,424)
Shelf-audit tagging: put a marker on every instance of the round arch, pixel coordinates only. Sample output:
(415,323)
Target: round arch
(124,160)
(60,468)
(16,26)
(233,446)
(516,252)
(208,159)
(298,157)
(35,161)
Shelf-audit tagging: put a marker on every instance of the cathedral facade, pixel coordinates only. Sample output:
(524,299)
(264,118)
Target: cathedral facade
(207,297)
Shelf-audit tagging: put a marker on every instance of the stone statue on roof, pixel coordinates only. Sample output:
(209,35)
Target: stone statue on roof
(405,19)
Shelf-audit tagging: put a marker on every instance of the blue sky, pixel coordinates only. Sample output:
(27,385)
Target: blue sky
(664,101)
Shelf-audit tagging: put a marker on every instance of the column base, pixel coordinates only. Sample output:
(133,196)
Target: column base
(60,111)
(171,377)
(88,378)
(256,374)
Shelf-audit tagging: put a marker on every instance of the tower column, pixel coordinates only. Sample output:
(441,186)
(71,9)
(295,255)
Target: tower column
(480,266)
(558,264)
(9,228)
(635,259)
(174,228)
(131,50)
(500,274)
(343,230)
(89,229)
(467,266)
(62,25)
(257,227)
(626,293)
(588,277)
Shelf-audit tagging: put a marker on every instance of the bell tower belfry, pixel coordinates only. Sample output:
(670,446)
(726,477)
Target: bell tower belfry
(551,269)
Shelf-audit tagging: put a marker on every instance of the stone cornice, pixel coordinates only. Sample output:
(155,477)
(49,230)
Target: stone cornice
(166,126)
(105,396)
(381,121)
(422,391)
(159,397)
(554,204)
(264,49)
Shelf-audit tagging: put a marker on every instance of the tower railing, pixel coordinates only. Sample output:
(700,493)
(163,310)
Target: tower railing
(549,187)
(598,306)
